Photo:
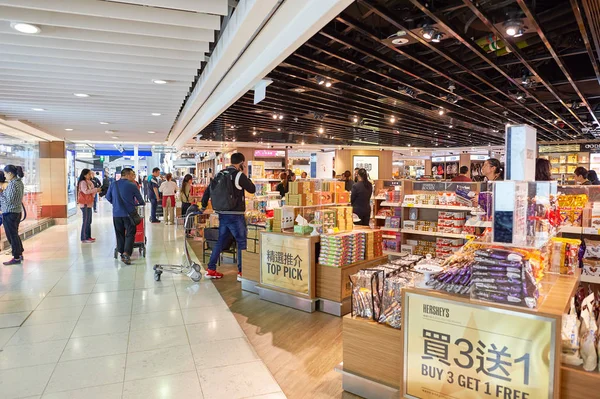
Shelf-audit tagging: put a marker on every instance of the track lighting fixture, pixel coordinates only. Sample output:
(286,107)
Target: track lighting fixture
(320,81)
(328,84)
(514,27)
(441,111)
(321,130)
(437,37)
(274,116)
(280,116)
(355,119)
(277,116)
(428,32)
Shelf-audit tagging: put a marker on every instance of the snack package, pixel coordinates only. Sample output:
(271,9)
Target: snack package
(592,249)
(587,335)
(570,332)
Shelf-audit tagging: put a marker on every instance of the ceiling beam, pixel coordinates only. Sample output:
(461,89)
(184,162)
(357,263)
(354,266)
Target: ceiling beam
(585,36)
(218,7)
(127,12)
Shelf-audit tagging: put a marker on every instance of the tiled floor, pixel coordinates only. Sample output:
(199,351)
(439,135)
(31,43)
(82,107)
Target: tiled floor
(75,323)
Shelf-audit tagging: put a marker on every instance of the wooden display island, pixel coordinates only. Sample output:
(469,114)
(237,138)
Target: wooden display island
(376,364)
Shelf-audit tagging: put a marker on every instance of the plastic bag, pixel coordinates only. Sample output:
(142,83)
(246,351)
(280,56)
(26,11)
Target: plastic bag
(588,335)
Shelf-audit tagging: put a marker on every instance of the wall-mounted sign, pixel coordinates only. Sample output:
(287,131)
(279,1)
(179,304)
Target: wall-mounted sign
(592,147)
(440,186)
(453,158)
(466,351)
(370,163)
(187,156)
(285,262)
(480,157)
(269,153)
(392,183)
(545,149)
(437,159)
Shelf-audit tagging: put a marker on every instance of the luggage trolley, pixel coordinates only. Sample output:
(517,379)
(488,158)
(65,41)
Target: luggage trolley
(188,267)
(140,234)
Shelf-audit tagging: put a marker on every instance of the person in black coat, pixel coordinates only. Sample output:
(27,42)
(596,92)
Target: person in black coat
(361,198)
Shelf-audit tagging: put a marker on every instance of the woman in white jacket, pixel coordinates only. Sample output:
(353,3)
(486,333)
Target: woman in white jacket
(168,190)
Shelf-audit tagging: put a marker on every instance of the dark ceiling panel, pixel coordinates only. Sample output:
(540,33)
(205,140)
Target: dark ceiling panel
(382,67)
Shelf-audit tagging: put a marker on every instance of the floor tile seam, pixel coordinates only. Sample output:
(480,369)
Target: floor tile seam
(37,364)
(62,353)
(263,394)
(128,341)
(77,389)
(11,337)
(235,364)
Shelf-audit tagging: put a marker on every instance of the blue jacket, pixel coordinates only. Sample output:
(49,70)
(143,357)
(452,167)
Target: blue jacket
(129,194)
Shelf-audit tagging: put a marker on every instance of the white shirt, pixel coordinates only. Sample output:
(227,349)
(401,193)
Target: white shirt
(168,188)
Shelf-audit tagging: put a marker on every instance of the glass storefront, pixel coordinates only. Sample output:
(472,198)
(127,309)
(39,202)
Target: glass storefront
(25,154)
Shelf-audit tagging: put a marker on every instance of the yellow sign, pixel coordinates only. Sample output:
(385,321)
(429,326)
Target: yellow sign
(285,262)
(456,350)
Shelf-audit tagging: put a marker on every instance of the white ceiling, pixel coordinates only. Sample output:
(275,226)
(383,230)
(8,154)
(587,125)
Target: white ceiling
(111,50)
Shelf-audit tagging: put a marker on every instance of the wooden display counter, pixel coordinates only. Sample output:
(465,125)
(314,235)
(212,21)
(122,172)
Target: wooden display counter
(333,285)
(376,355)
(250,271)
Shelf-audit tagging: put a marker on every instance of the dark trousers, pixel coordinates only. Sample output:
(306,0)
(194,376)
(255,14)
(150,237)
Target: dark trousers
(95,202)
(125,232)
(11,228)
(86,225)
(153,203)
(184,208)
(229,225)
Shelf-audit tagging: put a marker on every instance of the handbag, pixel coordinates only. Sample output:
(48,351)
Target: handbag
(134,216)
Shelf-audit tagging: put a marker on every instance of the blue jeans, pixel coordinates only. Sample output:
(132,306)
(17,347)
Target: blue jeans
(234,225)
(153,203)
(86,225)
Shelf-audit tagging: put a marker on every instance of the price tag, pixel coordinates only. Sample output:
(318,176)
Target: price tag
(470,237)
(590,230)
(411,205)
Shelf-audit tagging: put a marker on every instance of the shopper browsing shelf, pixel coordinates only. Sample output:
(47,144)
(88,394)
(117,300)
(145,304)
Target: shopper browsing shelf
(464,174)
(346,178)
(124,195)
(542,170)
(492,169)
(184,194)
(282,187)
(303,175)
(361,198)
(153,184)
(168,190)
(86,193)
(593,177)
(11,205)
(226,193)
(581,176)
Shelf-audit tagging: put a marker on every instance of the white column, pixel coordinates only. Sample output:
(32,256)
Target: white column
(136,159)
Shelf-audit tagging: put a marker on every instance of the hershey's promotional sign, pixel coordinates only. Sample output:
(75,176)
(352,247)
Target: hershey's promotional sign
(285,262)
(467,351)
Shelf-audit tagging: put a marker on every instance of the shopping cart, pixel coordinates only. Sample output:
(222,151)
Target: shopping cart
(140,234)
(188,267)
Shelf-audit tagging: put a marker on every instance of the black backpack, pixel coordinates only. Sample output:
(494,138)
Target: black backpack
(222,191)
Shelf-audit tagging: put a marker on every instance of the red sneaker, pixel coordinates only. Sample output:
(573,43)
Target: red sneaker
(213,274)
(239,277)
(92,239)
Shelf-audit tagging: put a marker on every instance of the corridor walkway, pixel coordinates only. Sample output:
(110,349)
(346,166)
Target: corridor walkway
(75,323)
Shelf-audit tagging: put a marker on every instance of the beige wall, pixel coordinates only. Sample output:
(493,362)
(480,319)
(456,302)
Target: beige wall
(53,180)
(343,161)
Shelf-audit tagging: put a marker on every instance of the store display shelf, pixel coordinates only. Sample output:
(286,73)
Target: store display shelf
(394,204)
(590,279)
(434,233)
(390,229)
(478,223)
(380,217)
(380,198)
(445,207)
(574,230)
(391,253)
(390,236)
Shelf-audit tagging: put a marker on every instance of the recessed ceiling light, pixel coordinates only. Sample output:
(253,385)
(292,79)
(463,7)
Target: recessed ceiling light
(115,137)
(38,109)
(156,114)
(160,81)
(151,132)
(109,131)
(69,129)
(328,84)
(321,130)
(393,119)
(254,133)
(25,28)
(81,95)
(104,123)
(279,129)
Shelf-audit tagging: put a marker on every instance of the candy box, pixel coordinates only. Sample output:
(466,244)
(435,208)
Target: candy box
(409,225)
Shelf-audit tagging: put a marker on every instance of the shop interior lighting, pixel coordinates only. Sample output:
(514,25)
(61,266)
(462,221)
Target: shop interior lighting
(38,109)
(254,133)
(328,84)
(437,37)
(321,130)
(104,123)
(428,32)
(81,95)
(274,116)
(151,132)
(514,27)
(156,114)
(26,28)
(441,111)
(392,119)
(355,119)
(520,96)
(69,129)
(450,126)
(280,116)
(160,81)
(279,129)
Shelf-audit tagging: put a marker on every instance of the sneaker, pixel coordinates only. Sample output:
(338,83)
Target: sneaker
(14,262)
(87,241)
(213,274)
(155,221)
(239,277)
(126,259)
(91,239)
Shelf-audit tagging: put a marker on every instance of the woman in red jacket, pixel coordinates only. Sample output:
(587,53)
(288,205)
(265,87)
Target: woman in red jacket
(85,198)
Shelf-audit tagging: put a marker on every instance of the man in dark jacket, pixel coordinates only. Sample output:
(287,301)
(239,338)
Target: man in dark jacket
(123,194)
(232,222)
(97,184)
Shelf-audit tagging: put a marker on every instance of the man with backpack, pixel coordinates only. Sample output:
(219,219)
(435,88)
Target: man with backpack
(226,192)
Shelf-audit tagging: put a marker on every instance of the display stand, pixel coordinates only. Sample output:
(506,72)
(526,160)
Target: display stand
(333,285)
(251,272)
(287,270)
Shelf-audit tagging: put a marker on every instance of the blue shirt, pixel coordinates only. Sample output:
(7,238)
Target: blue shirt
(152,184)
(129,194)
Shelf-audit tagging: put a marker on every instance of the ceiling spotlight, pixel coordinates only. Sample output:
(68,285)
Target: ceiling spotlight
(437,37)
(156,114)
(81,95)
(274,116)
(507,124)
(328,84)
(355,119)
(409,145)
(151,132)
(441,111)
(279,129)
(109,131)
(302,142)
(280,116)
(104,123)
(495,130)
(321,81)
(114,137)
(513,27)
(450,126)
(69,129)
(321,130)
(38,109)
(254,133)
(25,28)
(428,32)
(160,81)
(393,119)
(520,96)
